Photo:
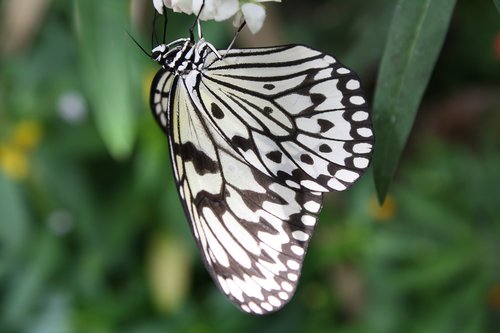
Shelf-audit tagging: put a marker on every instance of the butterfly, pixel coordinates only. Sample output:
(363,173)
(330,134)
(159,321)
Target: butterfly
(256,136)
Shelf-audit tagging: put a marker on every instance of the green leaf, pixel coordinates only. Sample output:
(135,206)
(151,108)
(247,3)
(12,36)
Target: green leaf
(105,64)
(497,4)
(54,315)
(30,279)
(14,223)
(415,39)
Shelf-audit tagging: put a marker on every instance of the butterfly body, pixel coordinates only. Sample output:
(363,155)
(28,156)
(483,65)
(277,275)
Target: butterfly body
(256,136)
(183,56)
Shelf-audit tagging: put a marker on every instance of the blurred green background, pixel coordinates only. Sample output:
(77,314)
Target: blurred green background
(92,234)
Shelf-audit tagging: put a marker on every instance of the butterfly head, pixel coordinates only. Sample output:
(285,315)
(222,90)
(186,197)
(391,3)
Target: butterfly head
(169,55)
(159,52)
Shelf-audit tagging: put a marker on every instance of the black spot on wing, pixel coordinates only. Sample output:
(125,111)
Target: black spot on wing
(241,142)
(325,125)
(324,148)
(216,111)
(202,163)
(317,99)
(275,156)
(307,159)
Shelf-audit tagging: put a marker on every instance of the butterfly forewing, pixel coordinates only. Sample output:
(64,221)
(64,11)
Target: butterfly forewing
(254,141)
(303,116)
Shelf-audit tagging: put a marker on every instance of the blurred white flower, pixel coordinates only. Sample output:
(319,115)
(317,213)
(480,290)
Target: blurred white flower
(219,10)
(72,107)
(61,222)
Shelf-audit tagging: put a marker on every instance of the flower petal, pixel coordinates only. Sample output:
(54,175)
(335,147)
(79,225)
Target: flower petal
(225,9)
(180,6)
(238,19)
(219,10)
(254,16)
(158,6)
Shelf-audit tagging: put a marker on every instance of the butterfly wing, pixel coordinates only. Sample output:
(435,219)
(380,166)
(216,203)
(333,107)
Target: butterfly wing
(294,112)
(237,139)
(159,97)
(252,232)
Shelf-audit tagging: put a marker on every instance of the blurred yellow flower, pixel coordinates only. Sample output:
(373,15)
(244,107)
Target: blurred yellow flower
(14,151)
(14,162)
(169,272)
(27,135)
(385,212)
(494,297)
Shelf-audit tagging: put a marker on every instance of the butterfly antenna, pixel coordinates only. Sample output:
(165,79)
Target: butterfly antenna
(197,23)
(137,43)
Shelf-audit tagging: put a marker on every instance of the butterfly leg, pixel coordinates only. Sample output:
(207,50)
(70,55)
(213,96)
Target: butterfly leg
(197,23)
(234,39)
(214,50)
(165,24)
(154,37)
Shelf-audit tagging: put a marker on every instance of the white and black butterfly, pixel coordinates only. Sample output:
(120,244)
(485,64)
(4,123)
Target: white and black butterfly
(256,136)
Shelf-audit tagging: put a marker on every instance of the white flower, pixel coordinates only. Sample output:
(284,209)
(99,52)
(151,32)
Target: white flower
(219,10)
(158,6)
(72,107)
(253,14)
(179,6)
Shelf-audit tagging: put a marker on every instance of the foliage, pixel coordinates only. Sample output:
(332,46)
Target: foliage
(415,38)
(90,223)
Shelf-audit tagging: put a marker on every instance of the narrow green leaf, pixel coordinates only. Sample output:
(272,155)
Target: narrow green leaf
(55,314)
(31,277)
(14,223)
(415,39)
(105,64)
(497,4)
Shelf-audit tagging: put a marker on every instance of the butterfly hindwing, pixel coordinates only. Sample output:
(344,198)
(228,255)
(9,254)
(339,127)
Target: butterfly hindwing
(252,231)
